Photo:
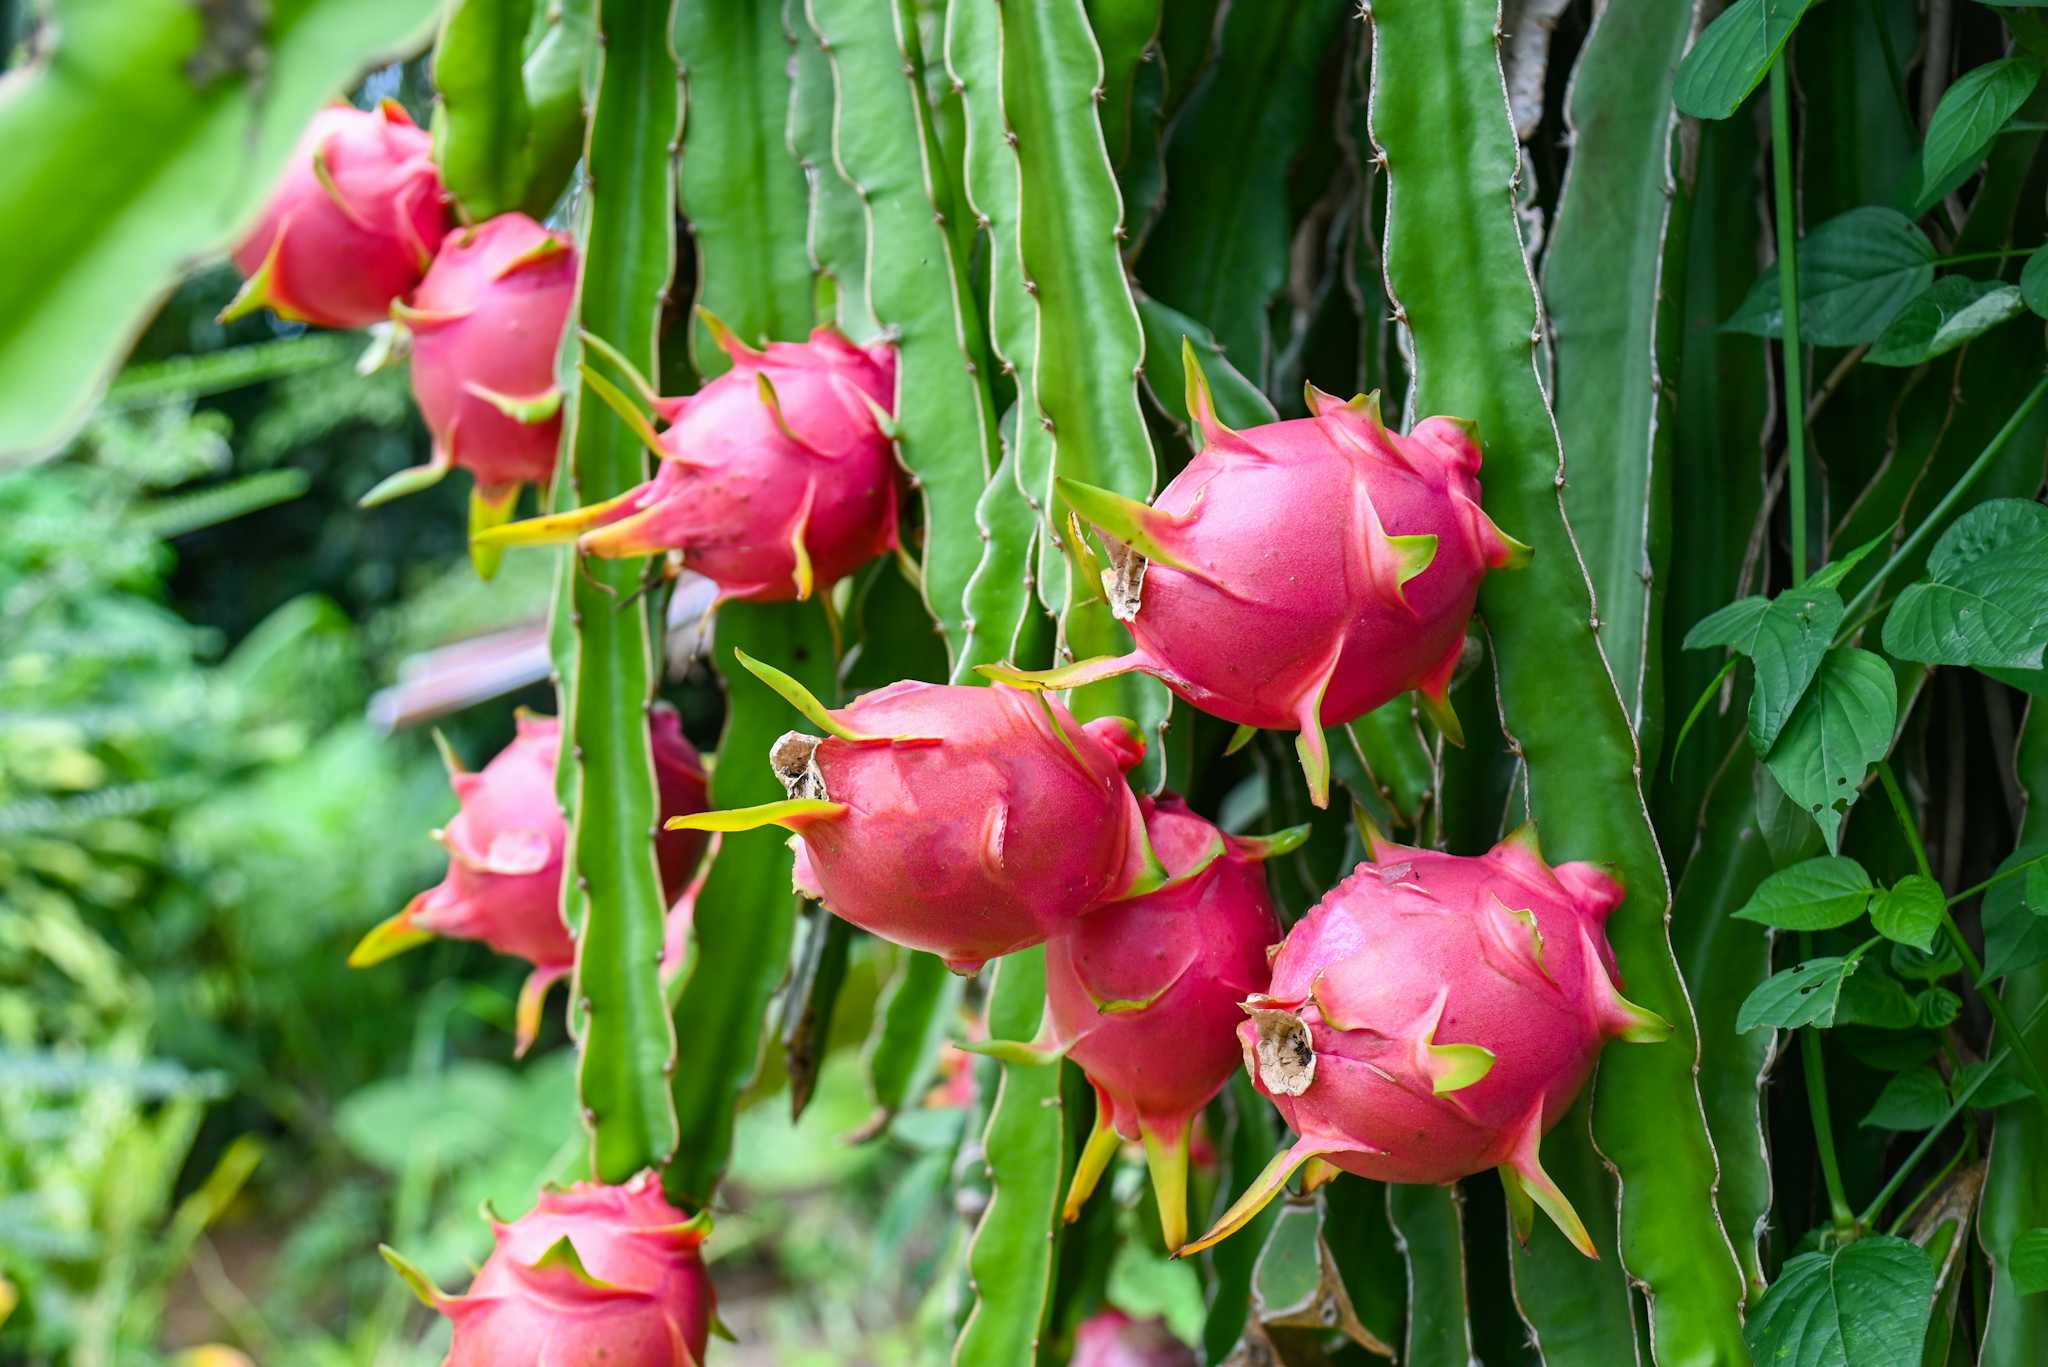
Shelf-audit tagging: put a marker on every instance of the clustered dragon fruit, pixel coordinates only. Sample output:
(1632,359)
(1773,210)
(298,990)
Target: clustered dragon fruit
(777,478)
(352,225)
(1143,995)
(1433,1016)
(486,323)
(592,1274)
(969,822)
(1110,1338)
(505,851)
(1299,573)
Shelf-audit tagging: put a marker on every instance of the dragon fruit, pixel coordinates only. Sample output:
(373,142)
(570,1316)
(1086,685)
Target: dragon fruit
(1144,995)
(591,1274)
(1433,1016)
(1110,1338)
(777,479)
(1300,573)
(486,324)
(965,821)
(352,225)
(505,848)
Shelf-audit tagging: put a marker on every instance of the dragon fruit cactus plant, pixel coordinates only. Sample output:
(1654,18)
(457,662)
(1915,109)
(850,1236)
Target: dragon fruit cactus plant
(1299,573)
(777,479)
(1433,1016)
(592,1274)
(505,850)
(486,323)
(1144,994)
(352,225)
(969,822)
(1110,1338)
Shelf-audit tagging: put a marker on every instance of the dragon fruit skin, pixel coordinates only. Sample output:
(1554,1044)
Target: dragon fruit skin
(352,225)
(1144,994)
(1299,574)
(591,1274)
(966,821)
(1433,1016)
(777,479)
(505,853)
(1110,1338)
(486,324)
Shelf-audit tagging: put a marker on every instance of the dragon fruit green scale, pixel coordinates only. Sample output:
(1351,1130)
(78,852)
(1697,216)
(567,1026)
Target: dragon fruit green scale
(1298,574)
(1433,1016)
(592,1274)
(969,822)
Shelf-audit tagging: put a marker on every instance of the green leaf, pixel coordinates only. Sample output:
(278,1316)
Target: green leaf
(1819,894)
(1791,637)
(1916,1099)
(1874,998)
(1970,114)
(143,141)
(2027,1264)
(1863,1305)
(1950,312)
(1805,994)
(1734,55)
(1856,271)
(1831,575)
(2034,890)
(2002,1089)
(1911,963)
(1937,1008)
(1985,601)
(1734,626)
(1841,727)
(1909,911)
(2034,282)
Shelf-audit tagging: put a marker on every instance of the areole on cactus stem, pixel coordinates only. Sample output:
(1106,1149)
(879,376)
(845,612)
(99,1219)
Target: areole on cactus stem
(352,225)
(1143,995)
(486,324)
(1433,1016)
(505,858)
(1297,574)
(591,1274)
(970,822)
(777,479)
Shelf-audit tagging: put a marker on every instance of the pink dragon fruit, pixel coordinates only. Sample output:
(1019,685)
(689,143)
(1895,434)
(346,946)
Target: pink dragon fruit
(486,324)
(352,225)
(1144,995)
(965,821)
(1433,1016)
(592,1274)
(777,479)
(1110,1338)
(505,849)
(1300,573)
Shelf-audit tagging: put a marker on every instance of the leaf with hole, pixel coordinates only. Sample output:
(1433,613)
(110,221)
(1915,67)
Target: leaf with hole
(1841,727)
(1804,994)
(1969,116)
(1791,637)
(1856,271)
(1985,600)
(1953,310)
(1818,894)
(1909,911)
(1863,1305)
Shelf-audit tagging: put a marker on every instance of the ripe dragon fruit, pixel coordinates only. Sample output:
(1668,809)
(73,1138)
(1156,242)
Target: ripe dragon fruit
(505,849)
(1433,1016)
(1144,995)
(591,1274)
(965,821)
(351,226)
(777,479)
(1110,1338)
(1300,573)
(486,324)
